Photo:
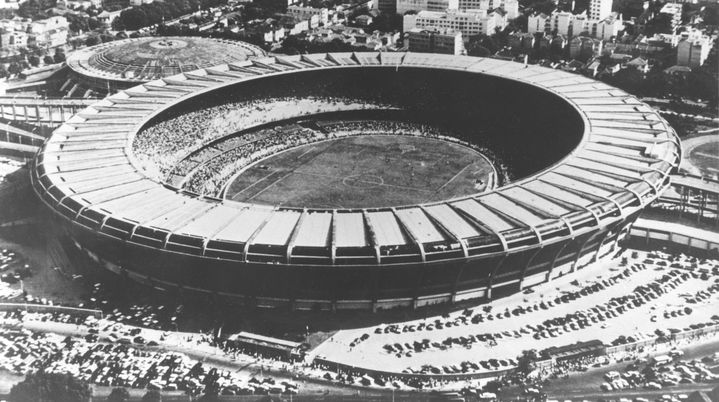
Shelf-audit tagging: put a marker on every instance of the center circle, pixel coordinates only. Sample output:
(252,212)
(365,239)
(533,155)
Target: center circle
(365,171)
(168,44)
(363,181)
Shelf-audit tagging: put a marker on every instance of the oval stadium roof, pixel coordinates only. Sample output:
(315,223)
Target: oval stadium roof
(86,172)
(145,59)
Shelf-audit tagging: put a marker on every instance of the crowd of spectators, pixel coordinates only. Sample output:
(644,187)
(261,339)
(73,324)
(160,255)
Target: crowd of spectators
(212,175)
(207,170)
(159,147)
(184,150)
(199,157)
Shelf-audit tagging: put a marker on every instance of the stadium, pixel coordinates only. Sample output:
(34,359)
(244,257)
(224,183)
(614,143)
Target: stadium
(242,180)
(122,64)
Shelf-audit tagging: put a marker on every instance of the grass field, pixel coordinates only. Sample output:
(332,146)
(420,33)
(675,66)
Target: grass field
(706,157)
(364,171)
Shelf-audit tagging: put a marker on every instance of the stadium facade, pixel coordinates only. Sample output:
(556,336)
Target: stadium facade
(551,222)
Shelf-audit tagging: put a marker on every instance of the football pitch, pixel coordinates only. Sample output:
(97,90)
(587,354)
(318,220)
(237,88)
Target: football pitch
(364,172)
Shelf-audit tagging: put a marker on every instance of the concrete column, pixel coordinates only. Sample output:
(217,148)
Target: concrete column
(490,285)
(460,271)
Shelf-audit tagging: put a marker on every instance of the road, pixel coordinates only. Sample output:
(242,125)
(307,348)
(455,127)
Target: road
(634,393)
(585,385)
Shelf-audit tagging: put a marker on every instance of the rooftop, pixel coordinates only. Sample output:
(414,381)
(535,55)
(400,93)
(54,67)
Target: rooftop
(85,169)
(145,59)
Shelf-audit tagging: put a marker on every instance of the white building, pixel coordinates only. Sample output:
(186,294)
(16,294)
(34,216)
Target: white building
(43,26)
(386,6)
(600,9)
(295,26)
(583,48)
(563,23)
(9,4)
(608,28)
(444,41)
(21,32)
(539,23)
(675,10)
(571,25)
(692,52)
(306,13)
(469,23)
(511,7)
(13,39)
(403,6)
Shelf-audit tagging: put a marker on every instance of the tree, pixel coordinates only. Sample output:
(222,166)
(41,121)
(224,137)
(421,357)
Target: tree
(152,395)
(710,14)
(132,19)
(59,57)
(14,69)
(106,37)
(3,71)
(492,386)
(477,50)
(94,23)
(662,23)
(78,23)
(526,362)
(92,40)
(33,60)
(48,60)
(118,395)
(30,8)
(43,387)
(628,8)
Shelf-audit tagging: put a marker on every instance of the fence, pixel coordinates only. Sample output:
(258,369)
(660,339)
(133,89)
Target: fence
(708,330)
(42,308)
(334,366)
(649,235)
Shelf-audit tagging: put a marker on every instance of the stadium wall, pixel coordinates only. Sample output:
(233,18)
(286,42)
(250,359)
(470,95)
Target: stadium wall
(307,287)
